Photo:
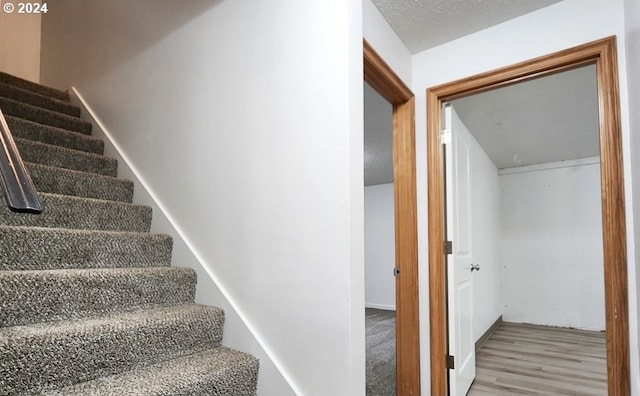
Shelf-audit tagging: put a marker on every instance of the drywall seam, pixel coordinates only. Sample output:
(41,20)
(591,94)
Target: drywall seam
(75,94)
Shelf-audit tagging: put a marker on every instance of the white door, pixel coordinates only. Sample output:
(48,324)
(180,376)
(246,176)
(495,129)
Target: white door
(459,263)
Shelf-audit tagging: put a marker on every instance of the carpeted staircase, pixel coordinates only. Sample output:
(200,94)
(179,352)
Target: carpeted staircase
(89,304)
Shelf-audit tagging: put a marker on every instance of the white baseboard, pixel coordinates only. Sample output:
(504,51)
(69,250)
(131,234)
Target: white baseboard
(380,306)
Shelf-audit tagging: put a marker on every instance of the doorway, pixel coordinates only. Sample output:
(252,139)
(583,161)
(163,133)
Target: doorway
(602,53)
(524,216)
(382,79)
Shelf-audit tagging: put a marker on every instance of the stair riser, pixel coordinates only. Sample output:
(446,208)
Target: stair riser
(64,158)
(31,86)
(81,213)
(67,182)
(30,130)
(70,354)
(42,248)
(42,116)
(219,371)
(39,296)
(34,99)
(239,381)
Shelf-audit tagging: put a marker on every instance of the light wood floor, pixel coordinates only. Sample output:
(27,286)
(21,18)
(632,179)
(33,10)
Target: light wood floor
(520,359)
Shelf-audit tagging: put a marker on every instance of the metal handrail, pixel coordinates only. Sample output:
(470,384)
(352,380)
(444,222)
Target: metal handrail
(19,190)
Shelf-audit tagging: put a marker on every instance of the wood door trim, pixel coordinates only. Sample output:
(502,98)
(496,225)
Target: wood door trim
(603,54)
(382,78)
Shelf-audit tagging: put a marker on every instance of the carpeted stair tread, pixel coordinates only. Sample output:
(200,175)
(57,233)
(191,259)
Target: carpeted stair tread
(21,128)
(50,179)
(39,100)
(28,297)
(89,302)
(33,87)
(61,157)
(214,372)
(44,116)
(34,248)
(64,353)
(64,211)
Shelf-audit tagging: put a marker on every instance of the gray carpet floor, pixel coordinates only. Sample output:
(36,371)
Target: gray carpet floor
(381,352)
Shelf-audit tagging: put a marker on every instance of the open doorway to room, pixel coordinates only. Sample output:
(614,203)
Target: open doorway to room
(522,194)
(379,246)
(525,277)
(389,86)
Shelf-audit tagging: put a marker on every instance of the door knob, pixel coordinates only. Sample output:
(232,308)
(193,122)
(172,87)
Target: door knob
(475,267)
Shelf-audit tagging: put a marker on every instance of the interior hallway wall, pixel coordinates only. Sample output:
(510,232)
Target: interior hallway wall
(20,43)
(551,245)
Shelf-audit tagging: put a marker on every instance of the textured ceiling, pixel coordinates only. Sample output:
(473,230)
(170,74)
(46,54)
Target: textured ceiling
(422,24)
(548,119)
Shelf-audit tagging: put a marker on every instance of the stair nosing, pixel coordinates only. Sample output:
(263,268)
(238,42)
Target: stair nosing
(66,272)
(137,318)
(84,230)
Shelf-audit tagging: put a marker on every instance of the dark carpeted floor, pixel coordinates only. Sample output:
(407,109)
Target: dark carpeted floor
(381,352)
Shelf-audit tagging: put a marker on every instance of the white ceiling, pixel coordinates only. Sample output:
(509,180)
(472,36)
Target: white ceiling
(544,120)
(422,24)
(548,119)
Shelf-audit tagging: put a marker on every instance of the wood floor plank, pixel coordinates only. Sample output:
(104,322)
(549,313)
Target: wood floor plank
(522,359)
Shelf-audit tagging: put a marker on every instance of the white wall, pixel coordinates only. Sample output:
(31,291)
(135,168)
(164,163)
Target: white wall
(383,39)
(237,333)
(20,44)
(632,38)
(537,236)
(379,247)
(551,245)
(485,222)
(244,119)
(559,26)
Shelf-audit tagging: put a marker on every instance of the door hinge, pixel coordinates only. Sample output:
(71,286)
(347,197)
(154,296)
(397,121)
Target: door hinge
(448,247)
(396,271)
(445,136)
(451,362)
